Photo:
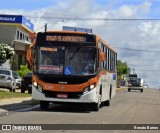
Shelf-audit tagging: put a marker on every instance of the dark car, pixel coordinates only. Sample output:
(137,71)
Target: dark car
(26,83)
(136,84)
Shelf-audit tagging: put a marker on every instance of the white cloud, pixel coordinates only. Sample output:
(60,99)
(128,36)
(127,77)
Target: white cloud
(145,7)
(126,11)
(133,11)
(99,15)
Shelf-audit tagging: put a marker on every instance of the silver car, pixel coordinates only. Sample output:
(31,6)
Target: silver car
(7,79)
(17,78)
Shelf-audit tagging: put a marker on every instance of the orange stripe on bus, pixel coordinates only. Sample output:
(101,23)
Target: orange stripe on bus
(64,87)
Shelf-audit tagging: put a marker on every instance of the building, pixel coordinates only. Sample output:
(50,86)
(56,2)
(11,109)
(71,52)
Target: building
(14,31)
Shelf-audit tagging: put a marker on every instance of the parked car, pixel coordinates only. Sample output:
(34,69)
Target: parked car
(17,78)
(26,83)
(7,79)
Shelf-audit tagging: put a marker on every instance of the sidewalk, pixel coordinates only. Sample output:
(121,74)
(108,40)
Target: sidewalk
(13,104)
(8,101)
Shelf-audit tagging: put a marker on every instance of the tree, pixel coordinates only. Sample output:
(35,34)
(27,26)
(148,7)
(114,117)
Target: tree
(6,52)
(23,70)
(14,62)
(122,68)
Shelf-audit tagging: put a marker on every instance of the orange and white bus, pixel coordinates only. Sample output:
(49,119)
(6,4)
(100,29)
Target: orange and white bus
(72,67)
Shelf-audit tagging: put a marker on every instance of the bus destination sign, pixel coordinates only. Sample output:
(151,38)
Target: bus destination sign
(65,38)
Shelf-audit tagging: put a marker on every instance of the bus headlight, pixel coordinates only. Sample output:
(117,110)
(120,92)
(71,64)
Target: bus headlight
(35,83)
(92,86)
(87,89)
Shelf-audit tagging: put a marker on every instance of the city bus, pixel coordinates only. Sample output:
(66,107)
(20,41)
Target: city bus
(72,67)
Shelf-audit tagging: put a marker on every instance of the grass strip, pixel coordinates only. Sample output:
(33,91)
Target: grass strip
(5,94)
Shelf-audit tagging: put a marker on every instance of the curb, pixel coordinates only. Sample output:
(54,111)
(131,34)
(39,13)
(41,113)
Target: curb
(121,89)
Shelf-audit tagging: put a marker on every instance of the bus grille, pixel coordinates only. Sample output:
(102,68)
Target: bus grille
(71,95)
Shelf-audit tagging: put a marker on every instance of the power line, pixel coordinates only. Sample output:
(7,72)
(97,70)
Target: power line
(139,60)
(139,50)
(49,25)
(148,70)
(142,60)
(54,24)
(144,66)
(39,28)
(93,19)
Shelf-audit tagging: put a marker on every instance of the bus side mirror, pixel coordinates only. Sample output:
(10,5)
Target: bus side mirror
(102,56)
(30,56)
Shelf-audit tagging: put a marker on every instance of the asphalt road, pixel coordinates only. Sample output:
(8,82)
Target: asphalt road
(126,108)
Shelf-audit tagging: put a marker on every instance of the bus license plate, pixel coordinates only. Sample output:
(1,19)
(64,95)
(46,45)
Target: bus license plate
(62,96)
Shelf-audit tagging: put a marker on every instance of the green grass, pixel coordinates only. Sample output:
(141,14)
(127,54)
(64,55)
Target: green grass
(5,94)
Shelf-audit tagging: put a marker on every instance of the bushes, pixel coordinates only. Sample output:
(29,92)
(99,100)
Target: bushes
(23,70)
(6,52)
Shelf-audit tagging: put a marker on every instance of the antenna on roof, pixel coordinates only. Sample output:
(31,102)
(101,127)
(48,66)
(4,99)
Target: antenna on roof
(77,29)
(45,27)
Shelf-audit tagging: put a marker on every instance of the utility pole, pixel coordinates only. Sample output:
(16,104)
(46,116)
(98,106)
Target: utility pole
(45,27)
(133,70)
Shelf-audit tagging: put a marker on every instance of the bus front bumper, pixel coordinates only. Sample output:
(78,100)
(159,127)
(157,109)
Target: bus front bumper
(89,97)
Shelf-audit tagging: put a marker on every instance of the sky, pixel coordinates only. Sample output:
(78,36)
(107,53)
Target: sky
(137,41)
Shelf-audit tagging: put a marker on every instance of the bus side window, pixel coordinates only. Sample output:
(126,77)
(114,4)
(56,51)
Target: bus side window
(108,59)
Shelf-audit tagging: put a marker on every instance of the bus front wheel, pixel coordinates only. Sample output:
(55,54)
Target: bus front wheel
(107,102)
(96,106)
(44,105)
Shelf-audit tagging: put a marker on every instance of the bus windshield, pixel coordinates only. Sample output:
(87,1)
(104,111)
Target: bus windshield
(67,60)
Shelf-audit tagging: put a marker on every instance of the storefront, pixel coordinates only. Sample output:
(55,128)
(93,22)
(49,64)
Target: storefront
(14,31)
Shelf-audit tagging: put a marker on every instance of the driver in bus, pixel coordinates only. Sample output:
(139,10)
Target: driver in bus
(88,65)
(48,61)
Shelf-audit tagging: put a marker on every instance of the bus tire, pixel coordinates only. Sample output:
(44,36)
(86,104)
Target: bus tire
(142,90)
(44,105)
(128,90)
(96,106)
(107,103)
